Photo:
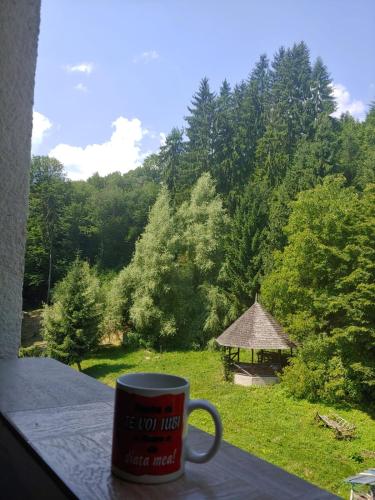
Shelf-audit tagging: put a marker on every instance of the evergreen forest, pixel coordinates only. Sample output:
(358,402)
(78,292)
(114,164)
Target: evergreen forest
(261,192)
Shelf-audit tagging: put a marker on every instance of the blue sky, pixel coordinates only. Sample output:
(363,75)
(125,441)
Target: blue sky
(114,76)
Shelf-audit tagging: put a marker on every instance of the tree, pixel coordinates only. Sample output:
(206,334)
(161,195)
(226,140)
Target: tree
(291,93)
(357,150)
(81,225)
(151,277)
(272,156)
(200,128)
(111,217)
(314,159)
(47,225)
(171,159)
(222,169)
(111,213)
(244,252)
(259,93)
(322,290)
(202,223)
(71,324)
(250,114)
(166,292)
(321,90)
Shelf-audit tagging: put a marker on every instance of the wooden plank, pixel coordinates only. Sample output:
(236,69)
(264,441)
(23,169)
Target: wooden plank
(341,427)
(74,443)
(34,383)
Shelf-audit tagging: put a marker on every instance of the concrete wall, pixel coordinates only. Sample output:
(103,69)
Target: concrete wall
(19,29)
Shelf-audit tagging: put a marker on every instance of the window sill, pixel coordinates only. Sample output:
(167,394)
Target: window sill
(55,442)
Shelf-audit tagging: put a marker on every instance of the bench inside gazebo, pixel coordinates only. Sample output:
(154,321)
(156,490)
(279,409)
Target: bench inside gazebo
(256,331)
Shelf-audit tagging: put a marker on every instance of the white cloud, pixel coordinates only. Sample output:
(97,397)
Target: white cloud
(146,57)
(122,152)
(41,124)
(81,87)
(85,67)
(345,104)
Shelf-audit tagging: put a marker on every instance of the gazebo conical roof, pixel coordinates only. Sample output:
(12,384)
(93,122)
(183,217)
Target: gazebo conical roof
(255,329)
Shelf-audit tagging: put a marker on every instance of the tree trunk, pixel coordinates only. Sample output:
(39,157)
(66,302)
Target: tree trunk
(79,366)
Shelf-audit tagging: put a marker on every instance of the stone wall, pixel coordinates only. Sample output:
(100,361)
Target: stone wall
(19,29)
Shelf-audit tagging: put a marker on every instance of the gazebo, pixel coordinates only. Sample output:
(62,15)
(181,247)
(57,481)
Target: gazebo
(258,331)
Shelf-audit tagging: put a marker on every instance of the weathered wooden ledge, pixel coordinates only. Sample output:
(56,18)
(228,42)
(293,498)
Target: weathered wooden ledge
(55,442)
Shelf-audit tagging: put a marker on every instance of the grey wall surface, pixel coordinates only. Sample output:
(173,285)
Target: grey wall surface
(19,29)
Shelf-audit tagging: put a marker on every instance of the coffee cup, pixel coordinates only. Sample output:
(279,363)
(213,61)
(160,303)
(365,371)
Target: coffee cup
(150,443)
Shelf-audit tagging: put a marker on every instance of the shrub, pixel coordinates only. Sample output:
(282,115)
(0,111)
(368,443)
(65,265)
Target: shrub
(33,351)
(212,345)
(318,373)
(132,340)
(227,367)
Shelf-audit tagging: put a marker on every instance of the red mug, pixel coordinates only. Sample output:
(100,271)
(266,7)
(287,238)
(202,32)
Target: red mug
(150,428)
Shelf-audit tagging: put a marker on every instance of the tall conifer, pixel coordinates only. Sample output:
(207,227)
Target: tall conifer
(171,159)
(200,128)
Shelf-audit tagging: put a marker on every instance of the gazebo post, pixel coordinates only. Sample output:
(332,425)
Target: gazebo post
(252,356)
(280,359)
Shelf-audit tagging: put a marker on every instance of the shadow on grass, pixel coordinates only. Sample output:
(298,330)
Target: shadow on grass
(366,407)
(110,352)
(103,369)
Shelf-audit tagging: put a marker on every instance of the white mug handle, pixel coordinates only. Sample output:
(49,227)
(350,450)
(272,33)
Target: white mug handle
(201,457)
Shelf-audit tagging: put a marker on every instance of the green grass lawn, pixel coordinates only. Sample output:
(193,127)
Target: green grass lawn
(263,421)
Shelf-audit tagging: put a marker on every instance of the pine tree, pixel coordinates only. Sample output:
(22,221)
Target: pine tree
(252,104)
(244,253)
(291,94)
(240,161)
(222,169)
(314,159)
(200,128)
(171,160)
(71,323)
(259,87)
(272,154)
(321,90)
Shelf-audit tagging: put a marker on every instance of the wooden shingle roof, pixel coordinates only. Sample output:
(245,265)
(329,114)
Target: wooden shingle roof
(255,329)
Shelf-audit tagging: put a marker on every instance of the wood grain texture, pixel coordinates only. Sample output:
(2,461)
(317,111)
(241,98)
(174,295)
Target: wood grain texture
(75,442)
(34,383)
(22,475)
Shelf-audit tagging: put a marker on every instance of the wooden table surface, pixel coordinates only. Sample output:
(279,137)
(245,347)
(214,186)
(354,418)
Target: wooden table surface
(56,432)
